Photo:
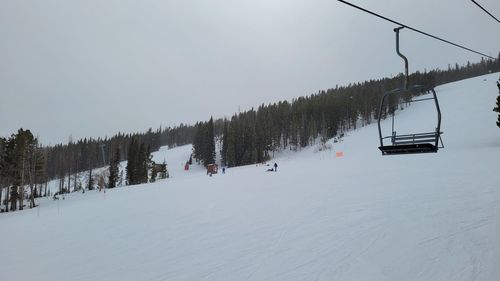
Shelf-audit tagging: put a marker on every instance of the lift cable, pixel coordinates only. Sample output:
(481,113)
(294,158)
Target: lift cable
(486,11)
(414,29)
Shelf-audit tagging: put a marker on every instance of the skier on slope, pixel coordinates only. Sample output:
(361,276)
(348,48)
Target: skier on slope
(275,167)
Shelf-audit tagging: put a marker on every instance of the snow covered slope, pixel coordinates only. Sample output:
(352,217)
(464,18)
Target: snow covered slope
(358,217)
(174,158)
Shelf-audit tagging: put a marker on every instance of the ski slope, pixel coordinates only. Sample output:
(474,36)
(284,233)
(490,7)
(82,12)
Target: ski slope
(362,216)
(174,158)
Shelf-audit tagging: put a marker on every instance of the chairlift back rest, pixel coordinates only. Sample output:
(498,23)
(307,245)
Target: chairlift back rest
(415,138)
(420,141)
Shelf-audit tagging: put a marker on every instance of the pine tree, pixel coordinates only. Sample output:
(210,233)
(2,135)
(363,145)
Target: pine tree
(138,162)
(91,151)
(132,160)
(2,144)
(210,142)
(154,172)
(204,143)
(149,164)
(142,165)
(90,181)
(113,168)
(23,147)
(163,170)
(9,169)
(497,108)
(3,170)
(37,167)
(223,151)
(199,137)
(231,144)
(120,178)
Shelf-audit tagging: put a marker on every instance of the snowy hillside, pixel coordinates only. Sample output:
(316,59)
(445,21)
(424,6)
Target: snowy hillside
(362,216)
(174,158)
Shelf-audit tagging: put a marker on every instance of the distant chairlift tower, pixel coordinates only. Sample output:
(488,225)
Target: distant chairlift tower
(408,143)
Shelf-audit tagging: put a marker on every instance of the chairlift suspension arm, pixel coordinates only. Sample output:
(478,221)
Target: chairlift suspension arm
(407,82)
(438,128)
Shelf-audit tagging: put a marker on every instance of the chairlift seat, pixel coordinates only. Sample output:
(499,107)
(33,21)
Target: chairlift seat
(408,148)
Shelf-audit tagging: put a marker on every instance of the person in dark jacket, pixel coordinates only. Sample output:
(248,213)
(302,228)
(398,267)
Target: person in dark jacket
(275,167)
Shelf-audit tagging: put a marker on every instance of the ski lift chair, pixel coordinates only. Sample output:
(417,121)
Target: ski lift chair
(422,142)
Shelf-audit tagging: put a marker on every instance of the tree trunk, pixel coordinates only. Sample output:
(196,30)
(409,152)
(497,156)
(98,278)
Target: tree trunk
(69,181)
(13,200)
(61,185)
(91,184)
(32,181)
(6,201)
(32,196)
(20,197)
(74,183)
(20,194)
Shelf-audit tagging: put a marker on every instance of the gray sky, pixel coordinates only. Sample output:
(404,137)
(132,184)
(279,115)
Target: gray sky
(93,67)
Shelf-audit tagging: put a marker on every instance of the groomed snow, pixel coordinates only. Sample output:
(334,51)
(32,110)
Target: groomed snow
(359,217)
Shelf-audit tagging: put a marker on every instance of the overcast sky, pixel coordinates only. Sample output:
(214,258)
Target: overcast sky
(93,67)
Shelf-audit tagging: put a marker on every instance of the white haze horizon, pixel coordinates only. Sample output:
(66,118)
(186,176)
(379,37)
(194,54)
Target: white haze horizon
(94,68)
